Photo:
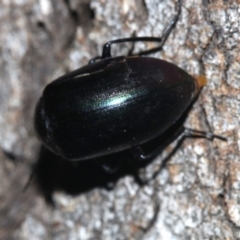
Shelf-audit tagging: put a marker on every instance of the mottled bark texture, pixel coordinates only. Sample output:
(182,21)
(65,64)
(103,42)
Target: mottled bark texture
(195,196)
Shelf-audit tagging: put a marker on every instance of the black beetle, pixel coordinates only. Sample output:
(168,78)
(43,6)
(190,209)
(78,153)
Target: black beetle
(115,103)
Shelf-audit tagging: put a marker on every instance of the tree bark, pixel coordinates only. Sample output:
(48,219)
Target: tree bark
(195,195)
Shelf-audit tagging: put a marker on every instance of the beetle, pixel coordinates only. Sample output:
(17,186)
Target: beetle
(116,103)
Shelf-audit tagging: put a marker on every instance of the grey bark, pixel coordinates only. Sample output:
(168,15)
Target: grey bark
(196,195)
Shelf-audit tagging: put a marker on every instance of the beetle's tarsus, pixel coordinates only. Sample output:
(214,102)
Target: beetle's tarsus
(201,134)
(173,23)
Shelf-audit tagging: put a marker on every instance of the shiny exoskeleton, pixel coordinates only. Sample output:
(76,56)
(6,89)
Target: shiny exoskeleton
(127,102)
(114,104)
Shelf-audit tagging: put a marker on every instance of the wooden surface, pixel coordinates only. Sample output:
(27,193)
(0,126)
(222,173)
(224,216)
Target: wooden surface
(195,196)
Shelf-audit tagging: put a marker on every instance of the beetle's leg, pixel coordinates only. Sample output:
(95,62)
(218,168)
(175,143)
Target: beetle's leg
(107,46)
(109,166)
(201,134)
(139,154)
(186,132)
(93,60)
(130,52)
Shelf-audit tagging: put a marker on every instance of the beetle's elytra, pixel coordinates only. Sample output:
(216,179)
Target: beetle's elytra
(114,103)
(129,102)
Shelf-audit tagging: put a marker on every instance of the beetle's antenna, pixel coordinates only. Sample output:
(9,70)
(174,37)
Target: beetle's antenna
(29,180)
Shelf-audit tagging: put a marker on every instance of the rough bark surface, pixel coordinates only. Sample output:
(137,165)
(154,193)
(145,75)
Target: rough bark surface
(196,195)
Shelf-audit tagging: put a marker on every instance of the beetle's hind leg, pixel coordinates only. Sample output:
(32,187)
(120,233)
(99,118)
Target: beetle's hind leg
(183,132)
(140,155)
(192,133)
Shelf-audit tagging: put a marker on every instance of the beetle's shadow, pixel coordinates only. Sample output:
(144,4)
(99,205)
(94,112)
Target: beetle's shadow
(55,173)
